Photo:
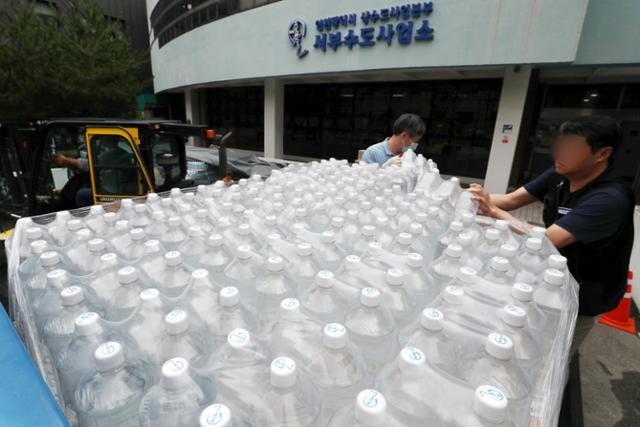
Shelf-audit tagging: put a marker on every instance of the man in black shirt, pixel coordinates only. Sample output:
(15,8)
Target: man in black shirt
(588,213)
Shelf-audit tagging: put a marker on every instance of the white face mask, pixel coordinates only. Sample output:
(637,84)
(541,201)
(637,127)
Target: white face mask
(412,147)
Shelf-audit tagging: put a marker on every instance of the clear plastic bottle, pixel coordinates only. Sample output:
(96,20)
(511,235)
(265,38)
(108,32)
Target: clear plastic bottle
(497,365)
(177,400)
(373,328)
(58,329)
(514,325)
(105,280)
(498,271)
(367,235)
(111,396)
(173,237)
(288,399)
(448,264)
(490,408)
(33,271)
(231,313)
(368,410)
(305,264)
(417,279)
(295,333)
(465,240)
(146,327)
(338,370)
(328,251)
(202,295)
(194,246)
(31,234)
(158,225)
(550,293)
(397,298)
(173,278)
(271,288)
(559,263)
(183,339)
(133,248)
(358,275)
(216,256)
(506,235)
(532,259)
(124,301)
(242,272)
(428,334)
(220,415)
(325,301)
(142,217)
(490,244)
(450,236)
(89,262)
(403,244)
(522,296)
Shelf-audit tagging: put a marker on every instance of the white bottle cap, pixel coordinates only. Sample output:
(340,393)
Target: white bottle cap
(324,279)
(49,259)
(97,245)
(453,295)
(368,230)
(109,259)
(394,277)
(337,221)
(411,360)
(522,292)
(374,248)
(216,415)
(229,296)
(456,226)
(370,297)
(499,263)
(558,262)
(304,249)
(492,234)
(127,275)
(176,322)
(514,316)
(239,338)
(300,212)
(73,225)
(174,221)
(88,324)
(96,210)
(271,220)
(501,224)
(158,216)
(71,296)
(533,243)
(554,277)
(499,346)
(371,407)
(136,234)
(275,263)
(467,218)
(175,192)
(466,275)
(431,319)
(57,278)
(465,239)
(110,217)
(63,215)
(352,262)
(289,306)
(195,231)
(33,233)
(283,372)
(328,236)
(405,239)
(244,229)
(433,211)
(152,246)
(215,240)
(200,276)
(491,404)
(38,247)
(243,252)
(391,211)
(83,234)
(175,373)
(421,217)
(172,258)
(414,260)
(140,209)
(334,336)
(454,251)
(539,232)
(108,356)
(149,294)
(126,203)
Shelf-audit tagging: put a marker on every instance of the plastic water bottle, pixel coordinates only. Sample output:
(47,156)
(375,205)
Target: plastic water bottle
(559,263)
(465,240)
(326,300)
(202,295)
(522,296)
(550,293)
(141,217)
(88,261)
(58,329)
(498,271)
(338,370)
(124,300)
(367,235)
(194,246)
(158,226)
(403,244)
(295,333)
(373,328)
(506,235)
(288,399)
(305,264)
(231,313)
(356,274)
(448,264)
(76,360)
(178,399)
(531,259)
(490,408)
(146,327)
(450,236)
(328,251)
(220,415)
(31,235)
(174,235)
(497,365)
(34,269)
(272,287)
(216,256)
(242,272)
(490,245)
(173,278)
(132,246)
(397,299)
(428,334)
(369,409)
(105,280)
(111,396)
(182,338)
(514,325)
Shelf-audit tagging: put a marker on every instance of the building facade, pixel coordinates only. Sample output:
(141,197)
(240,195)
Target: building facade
(492,79)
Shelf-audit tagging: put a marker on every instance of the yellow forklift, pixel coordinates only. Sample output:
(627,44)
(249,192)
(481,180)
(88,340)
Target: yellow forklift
(105,159)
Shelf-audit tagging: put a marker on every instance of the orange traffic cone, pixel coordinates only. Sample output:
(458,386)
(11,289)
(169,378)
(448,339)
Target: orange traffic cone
(619,317)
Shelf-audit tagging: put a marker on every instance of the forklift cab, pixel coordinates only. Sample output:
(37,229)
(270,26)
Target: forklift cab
(118,159)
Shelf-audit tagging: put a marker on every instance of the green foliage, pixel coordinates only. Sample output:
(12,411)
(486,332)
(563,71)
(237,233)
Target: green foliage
(75,63)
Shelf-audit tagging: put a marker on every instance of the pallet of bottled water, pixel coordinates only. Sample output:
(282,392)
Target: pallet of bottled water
(327,294)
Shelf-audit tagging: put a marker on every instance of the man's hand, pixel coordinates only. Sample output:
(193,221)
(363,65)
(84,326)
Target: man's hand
(485,204)
(394,161)
(60,160)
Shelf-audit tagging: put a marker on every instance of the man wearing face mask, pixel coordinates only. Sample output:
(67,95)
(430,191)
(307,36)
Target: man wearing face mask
(588,212)
(408,130)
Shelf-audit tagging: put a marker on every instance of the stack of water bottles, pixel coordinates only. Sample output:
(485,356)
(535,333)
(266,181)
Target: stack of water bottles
(327,294)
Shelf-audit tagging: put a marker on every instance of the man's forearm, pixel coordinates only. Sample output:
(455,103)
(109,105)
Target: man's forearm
(501,201)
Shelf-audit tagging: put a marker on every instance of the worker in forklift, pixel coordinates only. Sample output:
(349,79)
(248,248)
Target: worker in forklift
(83,194)
(588,212)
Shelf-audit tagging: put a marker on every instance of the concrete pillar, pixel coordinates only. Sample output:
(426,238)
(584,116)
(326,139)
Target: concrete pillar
(192,107)
(273,118)
(505,133)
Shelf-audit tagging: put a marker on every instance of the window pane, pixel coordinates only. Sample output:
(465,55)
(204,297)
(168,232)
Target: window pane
(116,171)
